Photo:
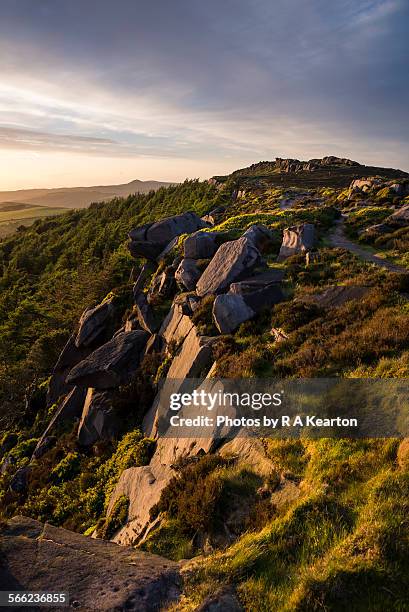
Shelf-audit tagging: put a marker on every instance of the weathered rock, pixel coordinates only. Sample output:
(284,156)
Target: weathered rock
(113,364)
(98,575)
(297,239)
(150,240)
(258,281)
(200,245)
(194,358)
(69,410)
(188,274)
(379,228)
(146,316)
(361,185)
(336,296)
(400,217)
(176,325)
(214,215)
(263,298)
(229,311)
(98,420)
(278,334)
(232,261)
(94,322)
(131,324)
(260,236)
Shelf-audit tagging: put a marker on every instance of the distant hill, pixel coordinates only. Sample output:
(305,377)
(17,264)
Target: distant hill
(76,197)
(329,171)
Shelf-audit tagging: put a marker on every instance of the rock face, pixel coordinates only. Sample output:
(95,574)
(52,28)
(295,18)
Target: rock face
(176,325)
(98,419)
(200,245)
(69,357)
(93,323)
(229,311)
(232,261)
(113,364)
(188,274)
(297,239)
(149,240)
(98,575)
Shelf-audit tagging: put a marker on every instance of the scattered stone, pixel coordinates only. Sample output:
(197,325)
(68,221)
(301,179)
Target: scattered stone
(232,261)
(99,420)
(188,274)
(98,575)
(229,311)
(113,364)
(200,245)
(297,239)
(94,322)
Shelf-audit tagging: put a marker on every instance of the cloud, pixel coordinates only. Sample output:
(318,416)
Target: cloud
(214,80)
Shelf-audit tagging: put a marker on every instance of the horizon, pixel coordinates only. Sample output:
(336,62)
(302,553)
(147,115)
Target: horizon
(181,91)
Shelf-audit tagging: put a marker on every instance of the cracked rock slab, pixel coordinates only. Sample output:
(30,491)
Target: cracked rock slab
(98,575)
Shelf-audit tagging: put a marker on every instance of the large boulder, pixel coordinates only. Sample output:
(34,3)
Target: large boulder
(188,274)
(97,575)
(177,323)
(94,322)
(272,276)
(297,239)
(98,420)
(113,364)
(232,261)
(150,239)
(229,311)
(200,245)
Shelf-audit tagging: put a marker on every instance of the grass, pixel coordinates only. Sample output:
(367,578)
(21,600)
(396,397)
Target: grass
(11,220)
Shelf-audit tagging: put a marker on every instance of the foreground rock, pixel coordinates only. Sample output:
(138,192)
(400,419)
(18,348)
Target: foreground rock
(98,575)
(232,261)
(113,364)
(297,239)
(150,240)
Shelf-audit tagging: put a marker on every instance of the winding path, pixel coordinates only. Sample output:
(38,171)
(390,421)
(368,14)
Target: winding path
(338,239)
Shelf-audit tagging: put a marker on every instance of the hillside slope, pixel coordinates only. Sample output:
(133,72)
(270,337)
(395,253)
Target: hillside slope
(90,325)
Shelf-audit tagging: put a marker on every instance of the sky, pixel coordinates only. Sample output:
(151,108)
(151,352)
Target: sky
(102,91)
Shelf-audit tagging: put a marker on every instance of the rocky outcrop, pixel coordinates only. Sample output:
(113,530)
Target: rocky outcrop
(149,240)
(272,276)
(69,410)
(232,261)
(69,357)
(113,364)
(297,239)
(295,165)
(200,245)
(97,575)
(177,323)
(93,323)
(188,274)
(98,420)
(163,285)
